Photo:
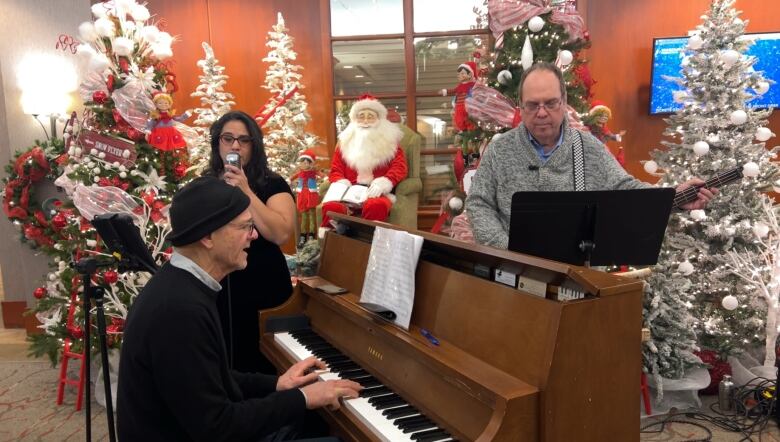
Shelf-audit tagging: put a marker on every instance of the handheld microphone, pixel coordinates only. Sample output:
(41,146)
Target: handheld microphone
(532,167)
(233,159)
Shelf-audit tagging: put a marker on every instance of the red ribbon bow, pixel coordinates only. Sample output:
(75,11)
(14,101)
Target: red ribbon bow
(506,14)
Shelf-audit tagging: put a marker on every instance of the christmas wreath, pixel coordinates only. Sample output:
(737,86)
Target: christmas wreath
(39,224)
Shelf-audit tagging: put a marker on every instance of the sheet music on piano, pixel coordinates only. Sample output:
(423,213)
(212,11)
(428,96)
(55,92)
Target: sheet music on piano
(390,271)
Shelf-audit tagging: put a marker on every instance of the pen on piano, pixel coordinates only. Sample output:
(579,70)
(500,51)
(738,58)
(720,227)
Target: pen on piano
(432,339)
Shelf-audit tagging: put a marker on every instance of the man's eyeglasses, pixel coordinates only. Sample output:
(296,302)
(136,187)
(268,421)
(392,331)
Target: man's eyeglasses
(247,227)
(228,140)
(549,105)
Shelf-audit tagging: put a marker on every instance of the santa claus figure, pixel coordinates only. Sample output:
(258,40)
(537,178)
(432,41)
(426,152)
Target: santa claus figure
(467,77)
(368,153)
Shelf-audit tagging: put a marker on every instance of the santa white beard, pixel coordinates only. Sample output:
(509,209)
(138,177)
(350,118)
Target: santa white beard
(366,148)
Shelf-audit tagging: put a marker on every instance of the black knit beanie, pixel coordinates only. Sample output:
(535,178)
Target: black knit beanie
(203,206)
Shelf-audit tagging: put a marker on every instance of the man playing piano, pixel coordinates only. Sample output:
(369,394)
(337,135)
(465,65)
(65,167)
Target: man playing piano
(539,155)
(175,383)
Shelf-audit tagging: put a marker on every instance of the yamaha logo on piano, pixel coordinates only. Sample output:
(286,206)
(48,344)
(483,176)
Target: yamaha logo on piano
(375,353)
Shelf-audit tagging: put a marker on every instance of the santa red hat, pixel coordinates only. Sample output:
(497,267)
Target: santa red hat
(598,106)
(307,154)
(368,102)
(471,67)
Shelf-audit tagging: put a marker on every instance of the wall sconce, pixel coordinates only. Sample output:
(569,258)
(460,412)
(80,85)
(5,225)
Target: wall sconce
(46,82)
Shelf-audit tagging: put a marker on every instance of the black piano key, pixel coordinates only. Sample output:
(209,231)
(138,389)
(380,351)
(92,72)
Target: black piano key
(354,374)
(411,428)
(390,404)
(384,398)
(400,412)
(406,420)
(318,346)
(371,392)
(326,352)
(369,382)
(430,435)
(344,366)
(335,359)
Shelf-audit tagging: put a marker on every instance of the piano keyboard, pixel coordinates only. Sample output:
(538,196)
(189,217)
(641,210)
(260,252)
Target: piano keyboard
(388,415)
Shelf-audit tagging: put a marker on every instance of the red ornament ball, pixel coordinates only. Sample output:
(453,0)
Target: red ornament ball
(40,292)
(76,332)
(59,220)
(99,97)
(180,170)
(110,276)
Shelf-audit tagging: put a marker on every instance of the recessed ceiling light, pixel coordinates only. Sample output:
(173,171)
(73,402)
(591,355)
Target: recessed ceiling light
(348,66)
(359,76)
(369,82)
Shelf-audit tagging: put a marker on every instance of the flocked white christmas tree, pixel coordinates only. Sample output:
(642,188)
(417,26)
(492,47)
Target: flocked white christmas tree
(214,101)
(715,131)
(285,116)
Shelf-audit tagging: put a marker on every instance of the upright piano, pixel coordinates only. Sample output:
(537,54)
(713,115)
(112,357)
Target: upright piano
(508,365)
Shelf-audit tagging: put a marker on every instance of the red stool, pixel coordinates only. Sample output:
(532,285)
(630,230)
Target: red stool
(67,355)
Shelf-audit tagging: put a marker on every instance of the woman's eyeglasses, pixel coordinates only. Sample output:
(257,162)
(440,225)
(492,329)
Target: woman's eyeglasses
(228,140)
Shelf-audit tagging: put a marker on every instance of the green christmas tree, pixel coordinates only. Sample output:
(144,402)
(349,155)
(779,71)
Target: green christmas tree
(105,165)
(693,291)
(285,115)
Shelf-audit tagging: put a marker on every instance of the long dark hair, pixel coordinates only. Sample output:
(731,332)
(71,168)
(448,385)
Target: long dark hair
(256,169)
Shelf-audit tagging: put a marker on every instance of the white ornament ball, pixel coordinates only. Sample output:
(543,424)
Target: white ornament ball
(750,169)
(102,155)
(651,166)
(730,302)
(761,230)
(738,21)
(565,57)
(763,134)
(123,175)
(762,87)
(164,39)
(87,31)
(72,151)
(535,24)
(123,46)
(455,203)
(96,171)
(738,117)
(125,154)
(104,27)
(729,57)
(695,41)
(115,164)
(52,276)
(78,152)
(505,77)
(122,168)
(713,138)
(701,148)
(698,215)
(96,179)
(85,52)
(685,267)
(93,152)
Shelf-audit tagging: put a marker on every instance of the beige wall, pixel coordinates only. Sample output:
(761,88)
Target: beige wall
(26,26)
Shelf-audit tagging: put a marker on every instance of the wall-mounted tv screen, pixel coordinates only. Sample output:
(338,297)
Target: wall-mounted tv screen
(668,53)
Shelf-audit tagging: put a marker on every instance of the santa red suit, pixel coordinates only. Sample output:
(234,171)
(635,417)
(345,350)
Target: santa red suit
(368,154)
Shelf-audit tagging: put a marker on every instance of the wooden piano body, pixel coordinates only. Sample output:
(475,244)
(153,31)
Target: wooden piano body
(511,366)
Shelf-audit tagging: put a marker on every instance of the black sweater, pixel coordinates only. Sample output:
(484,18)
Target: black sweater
(174,381)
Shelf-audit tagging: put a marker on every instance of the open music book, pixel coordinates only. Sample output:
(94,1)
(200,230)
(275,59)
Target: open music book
(390,270)
(354,194)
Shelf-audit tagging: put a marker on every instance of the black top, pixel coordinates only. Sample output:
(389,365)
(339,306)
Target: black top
(174,381)
(265,283)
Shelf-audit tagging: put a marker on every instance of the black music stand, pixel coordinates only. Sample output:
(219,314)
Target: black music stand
(611,227)
(130,253)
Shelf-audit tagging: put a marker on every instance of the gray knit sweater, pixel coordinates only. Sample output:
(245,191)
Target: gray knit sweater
(504,170)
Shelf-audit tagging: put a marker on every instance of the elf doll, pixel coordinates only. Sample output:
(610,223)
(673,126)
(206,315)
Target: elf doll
(467,76)
(304,182)
(162,133)
(596,120)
